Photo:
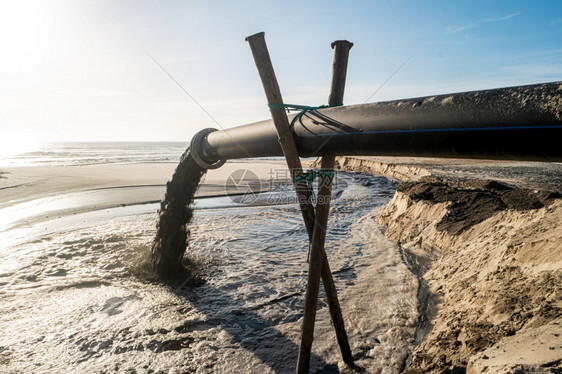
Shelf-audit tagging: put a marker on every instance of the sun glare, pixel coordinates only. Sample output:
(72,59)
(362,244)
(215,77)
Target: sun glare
(14,145)
(30,38)
(25,23)
(29,35)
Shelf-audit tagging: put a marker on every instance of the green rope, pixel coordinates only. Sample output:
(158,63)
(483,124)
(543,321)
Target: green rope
(309,178)
(293,108)
(311,175)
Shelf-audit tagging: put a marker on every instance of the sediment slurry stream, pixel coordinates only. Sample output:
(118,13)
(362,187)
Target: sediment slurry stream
(174,216)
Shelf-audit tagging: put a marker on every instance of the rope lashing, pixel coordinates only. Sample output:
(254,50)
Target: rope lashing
(293,108)
(309,178)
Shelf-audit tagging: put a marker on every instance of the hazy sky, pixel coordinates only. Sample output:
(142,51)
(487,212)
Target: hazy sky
(81,70)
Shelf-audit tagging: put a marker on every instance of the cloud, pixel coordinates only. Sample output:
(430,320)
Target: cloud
(504,18)
(475,24)
(556,21)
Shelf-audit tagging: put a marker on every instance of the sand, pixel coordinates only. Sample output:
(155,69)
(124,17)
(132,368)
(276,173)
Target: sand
(484,238)
(489,254)
(21,184)
(31,195)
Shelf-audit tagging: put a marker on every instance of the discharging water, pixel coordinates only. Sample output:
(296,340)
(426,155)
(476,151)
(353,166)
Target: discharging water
(75,298)
(173,217)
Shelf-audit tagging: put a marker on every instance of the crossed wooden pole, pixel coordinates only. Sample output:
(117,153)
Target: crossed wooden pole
(315,221)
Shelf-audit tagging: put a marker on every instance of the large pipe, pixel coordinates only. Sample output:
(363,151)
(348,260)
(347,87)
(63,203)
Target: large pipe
(514,123)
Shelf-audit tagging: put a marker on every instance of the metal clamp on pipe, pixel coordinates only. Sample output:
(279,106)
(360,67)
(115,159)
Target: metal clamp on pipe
(197,148)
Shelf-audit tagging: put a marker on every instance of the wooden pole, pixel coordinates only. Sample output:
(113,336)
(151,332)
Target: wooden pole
(339,71)
(339,74)
(317,260)
(281,122)
(319,264)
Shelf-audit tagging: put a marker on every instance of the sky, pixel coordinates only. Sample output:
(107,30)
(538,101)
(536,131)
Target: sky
(139,70)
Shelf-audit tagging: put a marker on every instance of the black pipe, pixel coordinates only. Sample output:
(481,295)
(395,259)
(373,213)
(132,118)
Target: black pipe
(514,123)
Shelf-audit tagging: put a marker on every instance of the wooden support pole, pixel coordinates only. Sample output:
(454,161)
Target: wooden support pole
(281,122)
(339,71)
(315,267)
(339,74)
(319,264)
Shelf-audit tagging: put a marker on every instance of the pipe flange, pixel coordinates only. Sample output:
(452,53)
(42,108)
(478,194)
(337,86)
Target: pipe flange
(195,146)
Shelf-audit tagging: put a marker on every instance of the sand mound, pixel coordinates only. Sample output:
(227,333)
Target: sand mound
(491,258)
(392,170)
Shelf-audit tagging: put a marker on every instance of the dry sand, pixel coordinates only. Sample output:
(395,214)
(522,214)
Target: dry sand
(20,184)
(490,258)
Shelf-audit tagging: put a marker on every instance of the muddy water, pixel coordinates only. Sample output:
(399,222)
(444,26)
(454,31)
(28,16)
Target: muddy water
(173,218)
(74,299)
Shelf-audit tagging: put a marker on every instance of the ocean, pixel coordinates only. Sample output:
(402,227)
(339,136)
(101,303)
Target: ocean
(95,153)
(75,296)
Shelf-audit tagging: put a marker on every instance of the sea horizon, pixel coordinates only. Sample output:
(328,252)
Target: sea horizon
(67,153)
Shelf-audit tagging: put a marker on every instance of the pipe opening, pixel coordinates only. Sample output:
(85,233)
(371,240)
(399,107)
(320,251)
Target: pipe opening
(197,150)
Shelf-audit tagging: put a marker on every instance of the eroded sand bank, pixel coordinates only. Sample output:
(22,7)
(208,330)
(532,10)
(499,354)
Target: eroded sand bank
(489,255)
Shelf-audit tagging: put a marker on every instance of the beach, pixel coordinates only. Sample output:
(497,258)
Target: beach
(433,246)
(423,287)
(76,296)
(27,183)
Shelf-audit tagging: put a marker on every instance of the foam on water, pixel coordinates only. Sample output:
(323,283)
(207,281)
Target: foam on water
(74,298)
(88,153)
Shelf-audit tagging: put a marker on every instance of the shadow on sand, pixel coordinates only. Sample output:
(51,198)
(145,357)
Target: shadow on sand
(249,329)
